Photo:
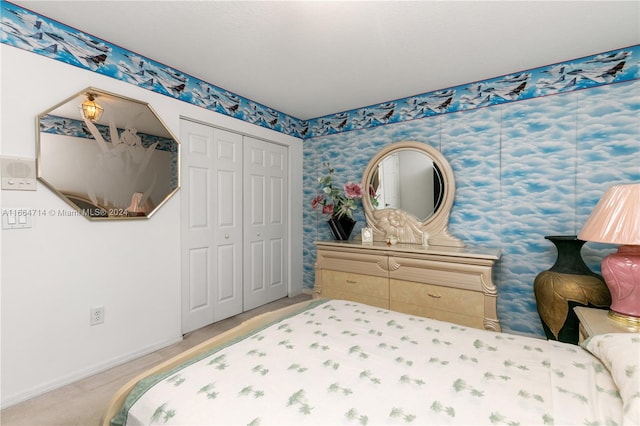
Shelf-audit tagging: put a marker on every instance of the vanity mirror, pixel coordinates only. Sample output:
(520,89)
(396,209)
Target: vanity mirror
(108,156)
(415,188)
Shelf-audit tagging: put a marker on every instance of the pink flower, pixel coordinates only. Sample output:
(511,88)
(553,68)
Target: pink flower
(316,201)
(333,201)
(353,190)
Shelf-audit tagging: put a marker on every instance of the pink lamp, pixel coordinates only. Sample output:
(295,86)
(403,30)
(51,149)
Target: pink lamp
(616,220)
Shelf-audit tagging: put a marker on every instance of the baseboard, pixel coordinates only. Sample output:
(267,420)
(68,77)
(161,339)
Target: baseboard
(83,374)
(308,291)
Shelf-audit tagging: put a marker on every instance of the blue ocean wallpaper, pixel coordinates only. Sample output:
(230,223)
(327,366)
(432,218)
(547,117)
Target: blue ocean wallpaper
(532,151)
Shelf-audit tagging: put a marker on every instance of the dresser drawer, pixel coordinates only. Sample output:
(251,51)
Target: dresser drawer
(358,262)
(366,289)
(449,274)
(464,307)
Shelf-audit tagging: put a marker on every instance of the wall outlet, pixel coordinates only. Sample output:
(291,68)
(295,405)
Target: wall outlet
(97,315)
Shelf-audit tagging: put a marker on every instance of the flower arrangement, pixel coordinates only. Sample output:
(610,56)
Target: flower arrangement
(334,202)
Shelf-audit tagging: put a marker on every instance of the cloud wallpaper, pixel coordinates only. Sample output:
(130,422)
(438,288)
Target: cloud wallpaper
(523,170)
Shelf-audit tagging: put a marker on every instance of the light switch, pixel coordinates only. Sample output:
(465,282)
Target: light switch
(16,219)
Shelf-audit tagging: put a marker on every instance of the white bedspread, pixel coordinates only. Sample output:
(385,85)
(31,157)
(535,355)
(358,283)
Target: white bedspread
(344,363)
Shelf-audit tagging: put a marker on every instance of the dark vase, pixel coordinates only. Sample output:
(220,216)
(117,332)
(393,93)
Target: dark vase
(341,227)
(568,283)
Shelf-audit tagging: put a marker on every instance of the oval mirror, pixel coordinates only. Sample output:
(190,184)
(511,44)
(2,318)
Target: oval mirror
(403,174)
(413,188)
(108,156)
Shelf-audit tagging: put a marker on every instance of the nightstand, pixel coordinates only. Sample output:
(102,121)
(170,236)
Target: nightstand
(596,321)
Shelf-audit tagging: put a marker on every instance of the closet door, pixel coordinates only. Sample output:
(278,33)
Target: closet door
(211,225)
(266,222)
(197,227)
(228,221)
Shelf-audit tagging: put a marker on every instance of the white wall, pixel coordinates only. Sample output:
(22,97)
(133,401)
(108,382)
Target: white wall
(54,272)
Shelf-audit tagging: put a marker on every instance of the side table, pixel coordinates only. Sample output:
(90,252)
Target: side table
(596,321)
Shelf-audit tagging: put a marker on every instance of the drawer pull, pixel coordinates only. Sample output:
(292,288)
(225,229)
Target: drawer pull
(435,296)
(352,282)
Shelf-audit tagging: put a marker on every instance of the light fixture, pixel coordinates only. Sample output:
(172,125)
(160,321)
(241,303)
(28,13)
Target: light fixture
(90,109)
(616,220)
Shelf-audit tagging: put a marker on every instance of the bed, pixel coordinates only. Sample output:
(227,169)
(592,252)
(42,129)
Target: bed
(335,362)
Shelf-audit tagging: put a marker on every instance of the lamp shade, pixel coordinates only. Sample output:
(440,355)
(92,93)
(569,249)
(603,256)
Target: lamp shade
(616,217)
(90,109)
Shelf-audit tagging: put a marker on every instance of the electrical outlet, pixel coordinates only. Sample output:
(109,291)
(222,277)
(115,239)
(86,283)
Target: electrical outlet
(97,315)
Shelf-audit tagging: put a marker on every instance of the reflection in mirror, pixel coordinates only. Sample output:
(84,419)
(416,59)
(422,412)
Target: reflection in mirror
(414,189)
(122,163)
(403,174)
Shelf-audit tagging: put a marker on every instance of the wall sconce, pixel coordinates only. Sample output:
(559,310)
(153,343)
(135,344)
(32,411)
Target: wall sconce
(90,109)
(616,220)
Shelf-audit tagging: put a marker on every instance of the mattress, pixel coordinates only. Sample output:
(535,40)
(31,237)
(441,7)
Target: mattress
(340,362)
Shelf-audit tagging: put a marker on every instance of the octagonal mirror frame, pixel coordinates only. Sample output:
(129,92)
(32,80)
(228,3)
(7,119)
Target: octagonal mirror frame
(124,165)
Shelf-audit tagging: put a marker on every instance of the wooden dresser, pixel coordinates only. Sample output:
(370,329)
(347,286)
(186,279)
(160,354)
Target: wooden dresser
(445,283)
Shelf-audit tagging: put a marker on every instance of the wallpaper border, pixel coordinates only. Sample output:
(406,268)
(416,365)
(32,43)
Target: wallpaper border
(30,31)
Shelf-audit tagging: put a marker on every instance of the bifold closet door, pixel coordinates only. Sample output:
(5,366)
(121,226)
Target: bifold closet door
(211,224)
(266,204)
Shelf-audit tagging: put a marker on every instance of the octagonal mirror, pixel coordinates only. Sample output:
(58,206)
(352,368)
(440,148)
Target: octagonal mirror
(108,156)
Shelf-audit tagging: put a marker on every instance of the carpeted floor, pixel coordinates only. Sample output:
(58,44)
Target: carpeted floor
(82,403)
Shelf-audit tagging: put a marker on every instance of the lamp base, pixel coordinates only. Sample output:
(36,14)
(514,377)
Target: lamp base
(621,271)
(627,321)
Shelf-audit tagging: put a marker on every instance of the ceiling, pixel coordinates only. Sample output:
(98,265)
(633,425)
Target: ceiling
(312,58)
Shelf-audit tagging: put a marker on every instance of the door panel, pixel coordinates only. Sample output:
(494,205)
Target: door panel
(257,194)
(197,231)
(228,242)
(198,278)
(227,192)
(212,236)
(227,255)
(256,285)
(276,218)
(276,251)
(266,206)
(198,202)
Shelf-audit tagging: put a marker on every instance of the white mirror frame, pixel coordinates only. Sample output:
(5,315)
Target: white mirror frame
(404,226)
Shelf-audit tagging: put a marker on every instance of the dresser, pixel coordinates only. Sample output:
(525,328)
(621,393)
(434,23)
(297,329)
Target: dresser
(445,283)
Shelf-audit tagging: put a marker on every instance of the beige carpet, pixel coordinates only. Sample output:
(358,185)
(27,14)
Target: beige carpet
(82,403)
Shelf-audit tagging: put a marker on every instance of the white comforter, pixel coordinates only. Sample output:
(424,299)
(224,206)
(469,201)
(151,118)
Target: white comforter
(343,363)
